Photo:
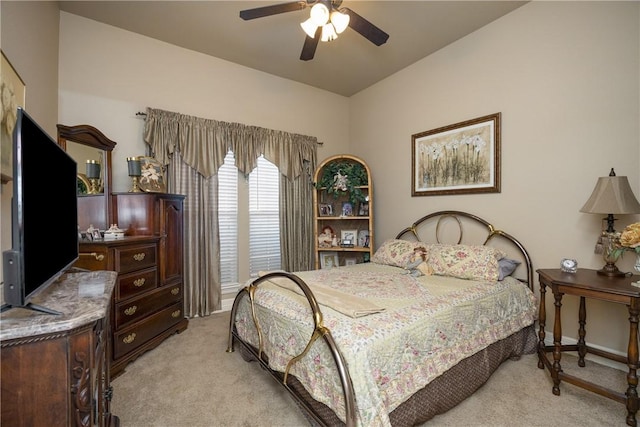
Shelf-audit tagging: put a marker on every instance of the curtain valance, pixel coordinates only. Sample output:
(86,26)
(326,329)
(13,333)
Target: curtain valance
(203,144)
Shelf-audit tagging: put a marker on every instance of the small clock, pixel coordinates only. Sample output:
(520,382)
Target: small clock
(569,265)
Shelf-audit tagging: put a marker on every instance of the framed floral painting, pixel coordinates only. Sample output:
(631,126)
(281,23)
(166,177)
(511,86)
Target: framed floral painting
(463,158)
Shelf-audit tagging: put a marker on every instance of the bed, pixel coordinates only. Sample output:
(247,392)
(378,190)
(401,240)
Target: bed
(400,339)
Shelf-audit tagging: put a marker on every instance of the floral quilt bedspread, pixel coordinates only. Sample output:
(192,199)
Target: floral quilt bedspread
(428,325)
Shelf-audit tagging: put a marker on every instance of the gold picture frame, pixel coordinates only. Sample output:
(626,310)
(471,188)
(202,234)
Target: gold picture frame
(463,158)
(13,90)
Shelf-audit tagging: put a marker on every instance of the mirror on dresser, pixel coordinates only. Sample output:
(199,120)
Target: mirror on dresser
(91,150)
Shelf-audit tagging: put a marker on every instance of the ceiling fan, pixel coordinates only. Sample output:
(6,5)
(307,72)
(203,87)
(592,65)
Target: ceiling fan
(326,21)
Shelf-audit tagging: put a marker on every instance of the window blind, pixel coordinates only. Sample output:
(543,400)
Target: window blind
(264,223)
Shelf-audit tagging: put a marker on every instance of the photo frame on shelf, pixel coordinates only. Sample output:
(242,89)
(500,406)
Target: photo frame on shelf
(363,238)
(363,209)
(462,158)
(329,260)
(350,261)
(325,209)
(348,237)
(347,209)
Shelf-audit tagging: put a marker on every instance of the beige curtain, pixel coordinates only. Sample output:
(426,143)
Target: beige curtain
(194,148)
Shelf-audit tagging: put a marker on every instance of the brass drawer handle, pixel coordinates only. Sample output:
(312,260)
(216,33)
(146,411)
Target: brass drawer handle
(139,282)
(175,291)
(129,338)
(175,313)
(131,310)
(139,257)
(97,256)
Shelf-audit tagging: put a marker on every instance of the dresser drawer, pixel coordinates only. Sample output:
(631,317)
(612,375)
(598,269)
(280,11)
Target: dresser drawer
(138,334)
(134,258)
(136,283)
(93,258)
(141,307)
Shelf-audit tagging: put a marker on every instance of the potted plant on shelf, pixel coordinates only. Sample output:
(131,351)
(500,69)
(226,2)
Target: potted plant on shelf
(343,177)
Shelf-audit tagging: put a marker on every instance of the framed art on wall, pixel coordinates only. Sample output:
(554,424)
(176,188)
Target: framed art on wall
(463,158)
(13,95)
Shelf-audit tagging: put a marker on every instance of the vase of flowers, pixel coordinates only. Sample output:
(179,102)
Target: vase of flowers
(630,241)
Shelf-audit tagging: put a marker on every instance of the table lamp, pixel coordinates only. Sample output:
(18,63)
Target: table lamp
(611,196)
(135,171)
(93,175)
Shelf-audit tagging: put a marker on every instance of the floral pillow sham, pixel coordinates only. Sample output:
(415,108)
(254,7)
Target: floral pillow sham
(395,252)
(465,261)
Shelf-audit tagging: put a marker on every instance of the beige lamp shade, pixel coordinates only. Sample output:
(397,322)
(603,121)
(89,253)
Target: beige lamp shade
(612,195)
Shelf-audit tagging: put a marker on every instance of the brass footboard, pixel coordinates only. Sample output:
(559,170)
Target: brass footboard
(319,331)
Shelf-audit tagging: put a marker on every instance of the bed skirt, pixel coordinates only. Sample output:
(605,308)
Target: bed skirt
(441,394)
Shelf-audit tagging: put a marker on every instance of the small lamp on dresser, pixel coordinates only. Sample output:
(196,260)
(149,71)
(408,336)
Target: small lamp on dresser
(135,171)
(611,196)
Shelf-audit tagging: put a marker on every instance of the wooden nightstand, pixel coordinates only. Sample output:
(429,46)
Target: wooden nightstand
(588,284)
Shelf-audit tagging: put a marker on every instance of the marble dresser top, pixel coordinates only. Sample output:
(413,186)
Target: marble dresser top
(81,297)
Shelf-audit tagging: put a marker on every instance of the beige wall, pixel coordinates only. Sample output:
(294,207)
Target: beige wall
(29,39)
(566,77)
(108,74)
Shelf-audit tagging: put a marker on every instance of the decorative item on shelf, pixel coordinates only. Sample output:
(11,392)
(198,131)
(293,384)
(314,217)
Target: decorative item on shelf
(347,209)
(630,241)
(325,238)
(363,238)
(344,177)
(135,171)
(612,195)
(113,233)
(363,209)
(329,260)
(152,178)
(569,265)
(348,238)
(93,175)
(325,209)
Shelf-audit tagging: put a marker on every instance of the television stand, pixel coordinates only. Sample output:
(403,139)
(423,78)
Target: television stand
(30,306)
(55,369)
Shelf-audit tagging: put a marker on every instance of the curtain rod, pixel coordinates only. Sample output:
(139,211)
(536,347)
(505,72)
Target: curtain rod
(140,113)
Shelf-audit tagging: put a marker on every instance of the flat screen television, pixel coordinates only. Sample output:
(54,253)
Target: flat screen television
(44,215)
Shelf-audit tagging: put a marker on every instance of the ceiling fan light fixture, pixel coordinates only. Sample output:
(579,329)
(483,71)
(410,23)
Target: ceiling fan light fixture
(319,14)
(340,21)
(309,27)
(328,33)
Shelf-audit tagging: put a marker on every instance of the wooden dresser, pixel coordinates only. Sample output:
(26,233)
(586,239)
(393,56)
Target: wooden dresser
(148,304)
(55,370)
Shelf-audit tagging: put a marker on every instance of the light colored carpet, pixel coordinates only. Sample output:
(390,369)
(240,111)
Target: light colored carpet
(190,380)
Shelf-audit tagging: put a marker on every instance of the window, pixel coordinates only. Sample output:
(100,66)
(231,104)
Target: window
(248,221)
(228,220)
(264,221)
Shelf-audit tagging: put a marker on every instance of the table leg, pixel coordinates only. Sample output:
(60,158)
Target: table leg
(632,361)
(582,320)
(542,318)
(557,343)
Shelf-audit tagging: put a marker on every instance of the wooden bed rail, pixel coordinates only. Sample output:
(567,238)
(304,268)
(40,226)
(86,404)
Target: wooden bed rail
(413,230)
(319,331)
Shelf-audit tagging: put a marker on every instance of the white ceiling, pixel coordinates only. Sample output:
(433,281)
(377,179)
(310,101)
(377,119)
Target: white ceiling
(272,44)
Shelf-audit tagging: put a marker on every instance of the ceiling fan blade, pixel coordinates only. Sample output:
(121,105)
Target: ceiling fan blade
(369,31)
(310,45)
(260,12)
